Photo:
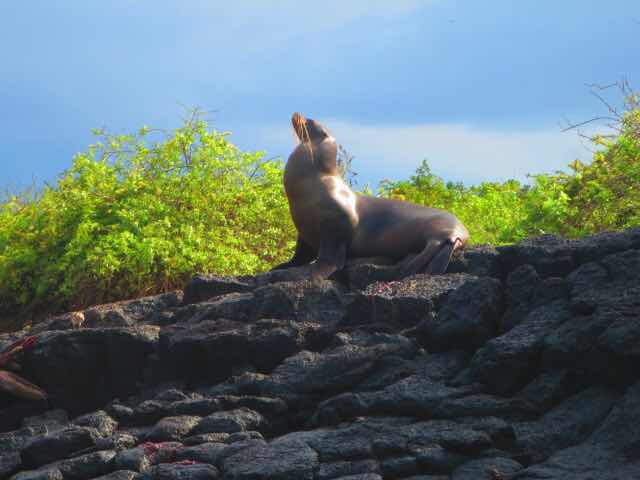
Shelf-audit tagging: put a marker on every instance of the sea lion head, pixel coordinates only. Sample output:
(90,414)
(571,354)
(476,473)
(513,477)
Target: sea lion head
(307,129)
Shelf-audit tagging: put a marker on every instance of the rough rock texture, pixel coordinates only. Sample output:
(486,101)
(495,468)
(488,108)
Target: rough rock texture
(521,363)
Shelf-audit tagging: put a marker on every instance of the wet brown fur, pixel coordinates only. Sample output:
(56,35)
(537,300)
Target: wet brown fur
(335,223)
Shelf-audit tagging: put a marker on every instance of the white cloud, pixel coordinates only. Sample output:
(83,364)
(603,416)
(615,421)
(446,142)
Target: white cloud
(455,152)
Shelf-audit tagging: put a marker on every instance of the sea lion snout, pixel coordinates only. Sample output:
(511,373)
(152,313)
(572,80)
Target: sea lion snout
(298,121)
(307,129)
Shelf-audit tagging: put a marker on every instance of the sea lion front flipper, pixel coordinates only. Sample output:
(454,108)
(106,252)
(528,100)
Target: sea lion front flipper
(303,255)
(332,257)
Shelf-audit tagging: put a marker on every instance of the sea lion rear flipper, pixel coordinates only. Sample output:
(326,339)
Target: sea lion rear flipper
(420,261)
(332,257)
(303,254)
(440,262)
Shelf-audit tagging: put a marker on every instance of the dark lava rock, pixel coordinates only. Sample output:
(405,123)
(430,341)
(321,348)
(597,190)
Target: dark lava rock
(486,469)
(301,300)
(172,428)
(468,317)
(363,476)
(521,363)
(244,436)
(115,316)
(609,452)
(550,255)
(435,459)
(478,260)
(146,413)
(548,389)
(49,421)
(103,423)
(84,369)
(118,441)
(428,477)
(134,459)
(87,466)
(119,475)
(48,474)
(600,340)
(18,439)
(264,405)
(210,453)
(565,425)
(205,287)
(507,362)
(402,303)
(232,421)
(32,427)
(328,471)
(131,312)
(58,445)
(184,471)
(77,468)
(272,341)
(522,284)
(13,410)
(399,467)
(205,438)
(9,464)
(413,395)
(66,321)
(171,395)
(360,275)
(205,352)
(286,460)
(310,373)
(595,247)
(232,306)
(194,406)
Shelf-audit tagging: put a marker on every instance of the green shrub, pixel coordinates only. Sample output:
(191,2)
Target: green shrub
(133,217)
(604,195)
(496,213)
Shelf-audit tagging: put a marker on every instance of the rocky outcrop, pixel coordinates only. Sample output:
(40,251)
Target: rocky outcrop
(520,363)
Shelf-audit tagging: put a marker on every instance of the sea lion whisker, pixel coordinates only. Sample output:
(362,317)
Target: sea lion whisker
(300,127)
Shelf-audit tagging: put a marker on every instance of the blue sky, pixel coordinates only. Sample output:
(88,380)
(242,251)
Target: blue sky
(480,88)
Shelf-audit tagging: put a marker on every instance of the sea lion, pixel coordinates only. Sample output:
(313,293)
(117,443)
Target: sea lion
(335,224)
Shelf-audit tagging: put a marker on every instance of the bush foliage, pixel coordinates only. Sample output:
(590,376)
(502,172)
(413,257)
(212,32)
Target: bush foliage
(134,216)
(140,214)
(603,195)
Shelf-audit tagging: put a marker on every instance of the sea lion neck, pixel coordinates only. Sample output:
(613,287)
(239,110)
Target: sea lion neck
(313,158)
